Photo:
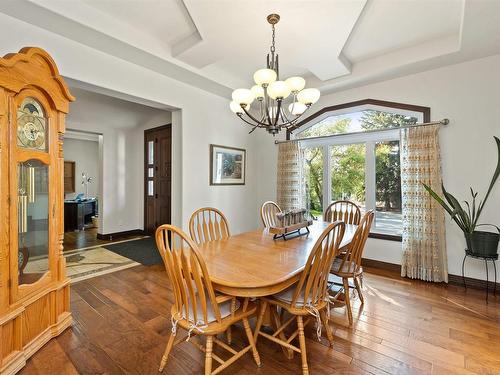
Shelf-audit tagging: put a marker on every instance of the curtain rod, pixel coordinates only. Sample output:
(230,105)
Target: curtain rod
(442,122)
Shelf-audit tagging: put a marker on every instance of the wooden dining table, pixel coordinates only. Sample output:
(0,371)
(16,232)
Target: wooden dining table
(253,264)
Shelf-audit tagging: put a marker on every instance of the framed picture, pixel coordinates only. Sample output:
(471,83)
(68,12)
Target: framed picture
(227,165)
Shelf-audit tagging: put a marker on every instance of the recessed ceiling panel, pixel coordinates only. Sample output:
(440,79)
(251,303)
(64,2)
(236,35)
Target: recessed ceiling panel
(309,36)
(387,26)
(167,20)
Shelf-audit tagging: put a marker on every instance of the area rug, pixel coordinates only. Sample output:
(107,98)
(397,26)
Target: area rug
(142,251)
(83,264)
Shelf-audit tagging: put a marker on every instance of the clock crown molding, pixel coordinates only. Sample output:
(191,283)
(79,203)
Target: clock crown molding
(42,73)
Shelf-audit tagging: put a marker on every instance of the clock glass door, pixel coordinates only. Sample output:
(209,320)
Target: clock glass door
(33,220)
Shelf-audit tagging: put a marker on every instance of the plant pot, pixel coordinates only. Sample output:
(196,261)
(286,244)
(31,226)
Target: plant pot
(483,244)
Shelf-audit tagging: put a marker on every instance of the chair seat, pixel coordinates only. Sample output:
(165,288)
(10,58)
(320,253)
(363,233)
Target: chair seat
(224,308)
(286,296)
(348,268)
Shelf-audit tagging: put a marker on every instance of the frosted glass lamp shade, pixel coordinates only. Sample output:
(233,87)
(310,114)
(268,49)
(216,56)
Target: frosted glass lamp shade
(264,76)
(296,83)
(297,108)
(236,108)
(308,96)
(243,96)
(258,92)
(278,90)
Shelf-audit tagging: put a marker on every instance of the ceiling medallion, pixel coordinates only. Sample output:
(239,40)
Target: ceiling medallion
(271,112)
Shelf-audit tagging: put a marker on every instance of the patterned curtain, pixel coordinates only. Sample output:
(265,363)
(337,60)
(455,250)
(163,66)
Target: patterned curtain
(424,243)
(291,188)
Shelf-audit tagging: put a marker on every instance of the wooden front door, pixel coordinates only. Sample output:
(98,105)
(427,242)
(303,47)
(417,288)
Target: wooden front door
(157,177)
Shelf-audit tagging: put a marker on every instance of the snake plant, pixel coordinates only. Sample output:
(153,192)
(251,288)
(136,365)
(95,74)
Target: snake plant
(467,216)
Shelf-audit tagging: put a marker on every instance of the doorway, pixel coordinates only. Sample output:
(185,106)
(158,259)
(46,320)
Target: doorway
(157,177)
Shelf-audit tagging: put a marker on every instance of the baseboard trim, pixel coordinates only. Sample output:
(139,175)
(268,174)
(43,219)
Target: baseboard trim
(381,265)
(109,236)
(452,279)
(472,283)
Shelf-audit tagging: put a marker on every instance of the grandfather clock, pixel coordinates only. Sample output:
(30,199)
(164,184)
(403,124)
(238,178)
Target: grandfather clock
(34,289)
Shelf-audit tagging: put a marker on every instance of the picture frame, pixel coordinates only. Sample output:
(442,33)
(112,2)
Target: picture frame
(227,165)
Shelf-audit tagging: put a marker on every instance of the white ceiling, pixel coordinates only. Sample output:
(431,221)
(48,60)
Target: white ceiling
(110,112)
(218,44)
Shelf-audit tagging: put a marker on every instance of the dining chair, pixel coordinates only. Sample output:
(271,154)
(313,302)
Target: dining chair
(197,309)
(347,265)
(344,210)
(208,224)
(268,213)
(306,299)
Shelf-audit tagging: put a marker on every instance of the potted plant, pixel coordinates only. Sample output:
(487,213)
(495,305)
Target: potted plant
(480,243)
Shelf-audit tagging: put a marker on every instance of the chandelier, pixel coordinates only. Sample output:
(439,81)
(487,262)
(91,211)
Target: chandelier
(279,104)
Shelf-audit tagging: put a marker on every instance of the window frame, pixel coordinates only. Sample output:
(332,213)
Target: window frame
(368,138)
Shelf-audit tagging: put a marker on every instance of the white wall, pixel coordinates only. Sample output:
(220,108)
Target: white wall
(85,154)
(469,95)
(204,119)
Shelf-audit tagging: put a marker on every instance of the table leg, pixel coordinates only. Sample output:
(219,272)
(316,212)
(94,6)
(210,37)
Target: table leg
(487,279)
(463,271)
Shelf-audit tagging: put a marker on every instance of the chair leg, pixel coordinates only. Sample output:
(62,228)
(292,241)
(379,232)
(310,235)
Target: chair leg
(229,332)
(248,331)
(358,288)
(328,328)
(302,341)
(262,312)
(208,355)
(277,324)
(347,299)
(164,359)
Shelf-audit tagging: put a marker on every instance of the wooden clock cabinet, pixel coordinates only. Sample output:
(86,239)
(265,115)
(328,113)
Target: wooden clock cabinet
(34,289)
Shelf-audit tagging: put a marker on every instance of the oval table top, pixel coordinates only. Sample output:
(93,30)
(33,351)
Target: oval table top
(252,264)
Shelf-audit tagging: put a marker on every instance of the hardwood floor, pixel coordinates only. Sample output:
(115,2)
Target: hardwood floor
(121,324)
(88,238)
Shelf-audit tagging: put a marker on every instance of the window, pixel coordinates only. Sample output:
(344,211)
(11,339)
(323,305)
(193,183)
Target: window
(313,166)
(363,165)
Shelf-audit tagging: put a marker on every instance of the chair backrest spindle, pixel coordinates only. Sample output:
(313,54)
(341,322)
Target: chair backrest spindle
(268,213)
(343,210)
(208,224)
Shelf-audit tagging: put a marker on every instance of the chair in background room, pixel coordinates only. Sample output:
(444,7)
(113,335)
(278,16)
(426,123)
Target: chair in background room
(268,213)
(346,211)
(347,265)
(197,309)
(308,298)
(208,224)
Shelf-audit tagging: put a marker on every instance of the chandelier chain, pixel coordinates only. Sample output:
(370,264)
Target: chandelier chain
(273,48)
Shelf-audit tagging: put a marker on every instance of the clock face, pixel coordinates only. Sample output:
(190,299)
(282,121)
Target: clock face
(31,129)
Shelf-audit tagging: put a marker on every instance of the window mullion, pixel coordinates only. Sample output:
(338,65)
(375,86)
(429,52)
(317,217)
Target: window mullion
(327,177)
(370,170)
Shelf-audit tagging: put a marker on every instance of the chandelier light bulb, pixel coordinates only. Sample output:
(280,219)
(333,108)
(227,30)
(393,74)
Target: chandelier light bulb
(308,96)
(296,83)
(243,96)
(278,90)
(258,92)
(297,108)
(236,108)
(264,76)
